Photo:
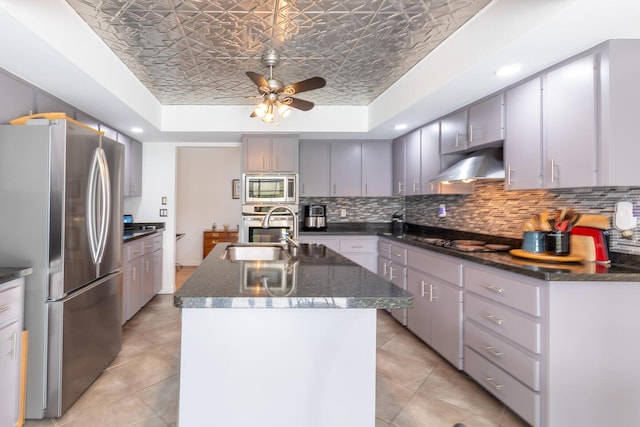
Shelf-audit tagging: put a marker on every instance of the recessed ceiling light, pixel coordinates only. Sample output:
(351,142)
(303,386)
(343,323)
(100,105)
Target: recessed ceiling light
(401,126)
(508,70)
(136,130)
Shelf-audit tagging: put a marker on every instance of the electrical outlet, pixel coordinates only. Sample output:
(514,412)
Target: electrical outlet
(343,212)
(163,212)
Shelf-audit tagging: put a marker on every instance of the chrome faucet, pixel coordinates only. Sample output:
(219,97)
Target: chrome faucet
(293,238)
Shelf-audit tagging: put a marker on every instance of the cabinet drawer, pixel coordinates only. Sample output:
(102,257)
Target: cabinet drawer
(10,305)
(152,244)
(503,289)
(358,245)
(498,351)
(503,321)
(384,249)
(133,249)
(435,266)
(524,402)
(398,255)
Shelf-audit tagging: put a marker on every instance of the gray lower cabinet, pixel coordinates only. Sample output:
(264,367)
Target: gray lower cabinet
(142,273)
(503,338)
(11,314)
(435,282)
(392,265)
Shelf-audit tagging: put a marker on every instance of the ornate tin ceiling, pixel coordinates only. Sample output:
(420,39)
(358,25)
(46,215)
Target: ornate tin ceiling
(197,51)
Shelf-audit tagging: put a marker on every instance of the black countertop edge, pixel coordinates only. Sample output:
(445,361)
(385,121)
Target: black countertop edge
(130,235)
(363,228)
(10,273)
(548,271)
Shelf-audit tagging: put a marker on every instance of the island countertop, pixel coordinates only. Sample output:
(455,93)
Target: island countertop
(317,278)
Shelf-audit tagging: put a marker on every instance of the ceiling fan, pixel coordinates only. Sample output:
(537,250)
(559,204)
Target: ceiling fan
(275,95)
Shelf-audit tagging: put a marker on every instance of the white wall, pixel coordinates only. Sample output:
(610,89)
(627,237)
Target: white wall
(159,178)
(204,176)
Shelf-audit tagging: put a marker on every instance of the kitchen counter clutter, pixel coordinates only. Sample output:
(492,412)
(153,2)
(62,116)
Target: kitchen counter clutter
(293,339)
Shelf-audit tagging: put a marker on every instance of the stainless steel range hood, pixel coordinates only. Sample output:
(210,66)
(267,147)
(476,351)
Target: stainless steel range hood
(485,164)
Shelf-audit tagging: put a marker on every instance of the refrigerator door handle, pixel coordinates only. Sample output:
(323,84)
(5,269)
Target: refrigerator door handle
(98,205)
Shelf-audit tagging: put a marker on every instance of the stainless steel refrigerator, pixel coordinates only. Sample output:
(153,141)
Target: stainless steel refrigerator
(61,214)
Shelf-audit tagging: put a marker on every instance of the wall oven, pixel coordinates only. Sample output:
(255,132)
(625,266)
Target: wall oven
(280,223)
(273,189)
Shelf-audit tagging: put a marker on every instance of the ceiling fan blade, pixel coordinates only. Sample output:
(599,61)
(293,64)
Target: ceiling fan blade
(259,80)
(304,85)
(300,104)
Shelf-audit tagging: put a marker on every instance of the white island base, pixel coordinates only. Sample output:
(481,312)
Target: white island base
(278,367)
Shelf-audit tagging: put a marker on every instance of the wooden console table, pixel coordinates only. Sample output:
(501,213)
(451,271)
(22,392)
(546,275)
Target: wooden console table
(213,237)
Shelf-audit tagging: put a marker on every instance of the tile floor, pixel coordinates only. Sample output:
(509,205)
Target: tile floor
(415,387)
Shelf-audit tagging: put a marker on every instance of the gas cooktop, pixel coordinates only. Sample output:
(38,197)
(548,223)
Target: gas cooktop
(463,245)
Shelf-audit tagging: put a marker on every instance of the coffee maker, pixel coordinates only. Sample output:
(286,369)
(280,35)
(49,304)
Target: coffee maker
(315,217)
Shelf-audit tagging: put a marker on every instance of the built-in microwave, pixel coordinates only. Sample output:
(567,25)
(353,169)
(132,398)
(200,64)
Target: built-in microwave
(273,189)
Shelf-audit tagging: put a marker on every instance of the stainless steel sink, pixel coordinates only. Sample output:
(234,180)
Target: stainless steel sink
(254,253)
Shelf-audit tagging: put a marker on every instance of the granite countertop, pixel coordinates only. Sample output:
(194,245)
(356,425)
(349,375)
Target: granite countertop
(317,278)
(10,273)
(139,230)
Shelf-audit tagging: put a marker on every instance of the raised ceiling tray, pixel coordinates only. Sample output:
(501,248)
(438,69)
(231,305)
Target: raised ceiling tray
(545,257)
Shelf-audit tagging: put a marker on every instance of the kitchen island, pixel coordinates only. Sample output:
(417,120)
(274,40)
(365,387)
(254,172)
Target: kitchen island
(281,343)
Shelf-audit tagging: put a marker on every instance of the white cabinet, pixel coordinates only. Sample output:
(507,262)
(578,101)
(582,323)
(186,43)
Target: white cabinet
(314,168)
(11,314)
(434,281)
(392,265)
(132,166)
(270,154)
(346,169)
(503,338)
(523,144)
(486,121)
(359,249)
(376,168)
(412,162)
(453,132)
(569,108)
(399,158)
(142,273)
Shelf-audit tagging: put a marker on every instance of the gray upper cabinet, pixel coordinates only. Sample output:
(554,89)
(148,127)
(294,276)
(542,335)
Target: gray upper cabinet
(453,132)
(376,168)
(570,127)
(523,146)
(132,165)
(277,154)
(314,168)
(412,163)
(429,157)
(486,121)
(346,168)
(399,150)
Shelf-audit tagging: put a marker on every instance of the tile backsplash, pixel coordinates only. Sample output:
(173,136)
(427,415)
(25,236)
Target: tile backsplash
(489,210)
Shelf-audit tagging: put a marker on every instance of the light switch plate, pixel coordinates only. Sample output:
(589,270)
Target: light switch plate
(623,218)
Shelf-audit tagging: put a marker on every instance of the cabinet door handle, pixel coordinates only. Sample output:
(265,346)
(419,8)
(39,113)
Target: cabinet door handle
(415,186)
(14,346)
(431,297)
(491,350)
(334,188)
(133,273)
(508,175)
(553,171)
(390,272)
(384,269)
(366,189)
(4,308)
(276,161)
(399,187)
(303,192)
(495,289)
(470,134)
(422,285)
(493,384)
(457,139)
(262,162)
(493,319)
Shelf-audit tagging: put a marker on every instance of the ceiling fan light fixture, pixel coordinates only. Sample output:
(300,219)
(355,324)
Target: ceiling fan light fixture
(261,110)
(283,110)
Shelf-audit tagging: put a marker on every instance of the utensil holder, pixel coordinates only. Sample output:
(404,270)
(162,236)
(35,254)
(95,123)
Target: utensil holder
(534,241)
(558,243)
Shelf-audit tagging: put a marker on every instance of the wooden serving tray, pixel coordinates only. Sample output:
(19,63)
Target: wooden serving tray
(545,257)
